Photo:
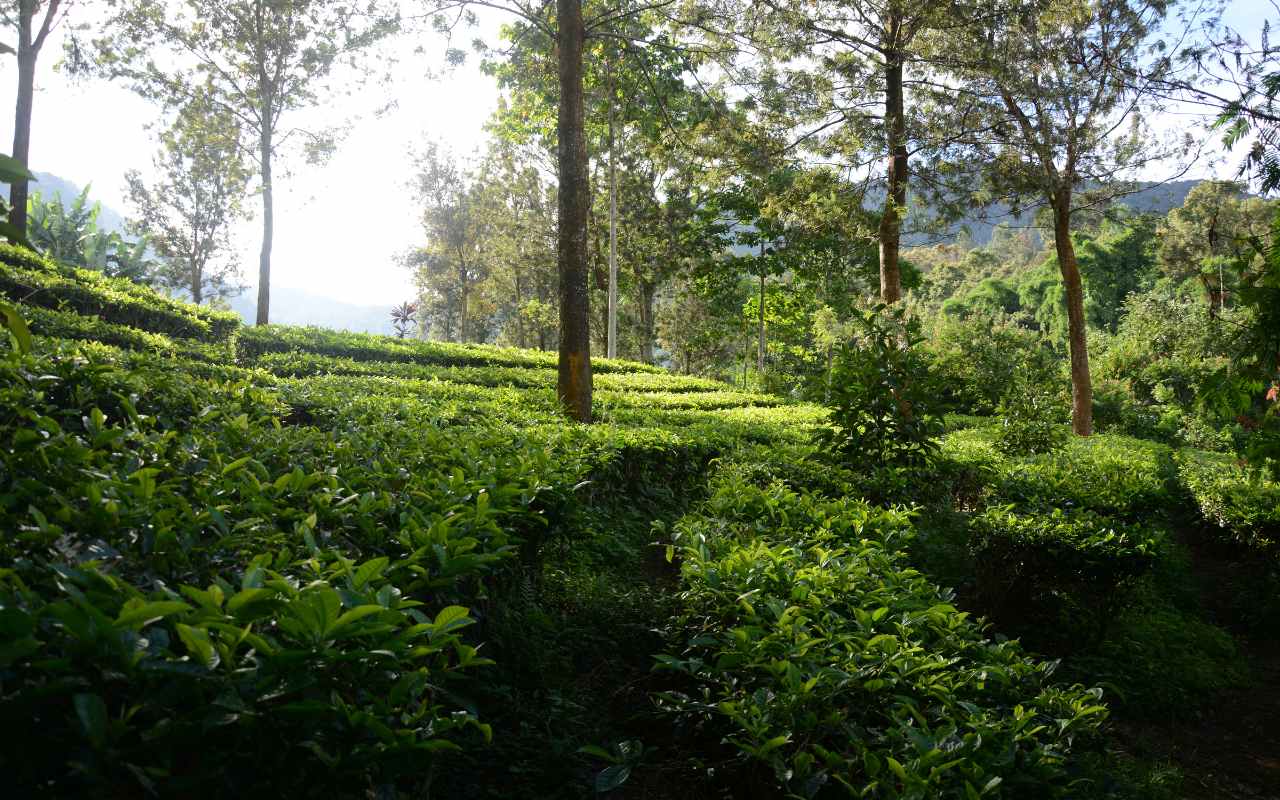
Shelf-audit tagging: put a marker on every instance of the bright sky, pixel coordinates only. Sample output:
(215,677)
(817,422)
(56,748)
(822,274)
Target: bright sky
(339,226)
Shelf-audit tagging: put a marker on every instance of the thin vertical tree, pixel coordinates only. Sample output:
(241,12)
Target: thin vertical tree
(260,60)
(1062,121)
(33,21)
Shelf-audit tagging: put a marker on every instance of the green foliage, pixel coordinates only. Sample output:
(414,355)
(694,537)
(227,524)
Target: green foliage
(816,653)
(975,359)
(1057,576)
(261,339)
(1034,416)
(36,281)
(1242,502)
(882,410)
(1159,660)
(70,235)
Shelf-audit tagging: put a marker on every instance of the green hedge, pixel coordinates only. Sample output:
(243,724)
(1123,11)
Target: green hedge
(811,649)
(258,340)
(1061,574)
(302,365)
(1242,503)
(57,324)
(36,281)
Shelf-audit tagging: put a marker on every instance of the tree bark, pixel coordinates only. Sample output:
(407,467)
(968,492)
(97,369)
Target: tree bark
(760,345)
(895,201)
(612,323)
(574,378)
(268,227)
(19,190)
(647,293)
(1081,383)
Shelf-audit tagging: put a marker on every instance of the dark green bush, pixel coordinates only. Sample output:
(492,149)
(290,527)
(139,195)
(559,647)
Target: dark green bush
(34,281)
(1060,575)
(882,416)
(1242,503)
(817,654)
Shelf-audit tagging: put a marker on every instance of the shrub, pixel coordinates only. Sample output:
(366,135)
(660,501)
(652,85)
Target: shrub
(1059,574)
(1242,503)
(34,281)
(881,415)
(812,649)
(1033,416)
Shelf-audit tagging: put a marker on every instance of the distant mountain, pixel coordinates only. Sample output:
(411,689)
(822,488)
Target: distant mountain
(291,306)
(1153,198)
(49,186)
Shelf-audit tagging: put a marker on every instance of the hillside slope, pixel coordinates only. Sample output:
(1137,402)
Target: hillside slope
(291,560)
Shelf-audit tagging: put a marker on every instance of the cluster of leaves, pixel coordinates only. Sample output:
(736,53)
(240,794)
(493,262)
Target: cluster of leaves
(1066,570)
(882,413)
(71,235)
(187,575)
(1033,415)
(1242,502)
(810,646)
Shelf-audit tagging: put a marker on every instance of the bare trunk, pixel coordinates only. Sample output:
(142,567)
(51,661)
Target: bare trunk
(647,293)
(895,201)
(19,190)
(574,379)
(612,342)
(760,345)
(462,312)
(197,284)
(1081,383)
(268,228)
(520,337)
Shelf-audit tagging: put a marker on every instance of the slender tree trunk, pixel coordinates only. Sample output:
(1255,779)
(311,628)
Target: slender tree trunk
(462,311)
(19,190)
(197,284)
(574,379)
(268,228)
(1081,383)
(612,325)
(647,293)
(895,201)
(520,337)
(760,346)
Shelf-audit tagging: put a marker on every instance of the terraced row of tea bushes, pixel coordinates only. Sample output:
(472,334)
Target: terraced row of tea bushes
(33,280)
(58,324)
(213,587)
(1107,473)
(829,667)
(1242,503)
(1074,552)
(256,341)
(302,365)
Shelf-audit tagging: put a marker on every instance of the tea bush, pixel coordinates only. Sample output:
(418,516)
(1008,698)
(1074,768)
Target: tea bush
(1060,574)
(1242,503)
(260,339)
(302,365)
(811,647)
(35,281)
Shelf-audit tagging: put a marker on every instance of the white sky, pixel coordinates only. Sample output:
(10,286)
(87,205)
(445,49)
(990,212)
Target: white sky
(340,226)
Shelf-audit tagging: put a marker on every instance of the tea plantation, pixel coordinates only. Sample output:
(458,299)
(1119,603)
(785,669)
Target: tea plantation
(288,561)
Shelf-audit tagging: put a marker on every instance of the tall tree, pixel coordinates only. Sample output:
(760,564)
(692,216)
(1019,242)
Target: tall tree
(456,222)
(259,60)
(32,21)
(1211,236)
(866,81)
(187,215)
(1062,106)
